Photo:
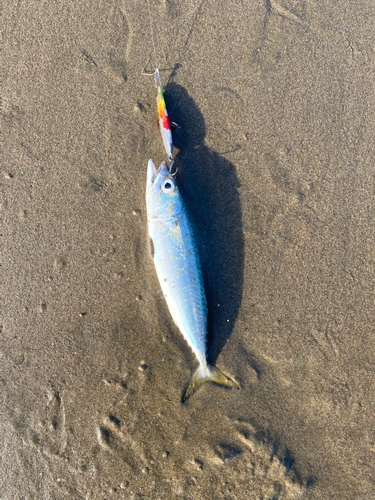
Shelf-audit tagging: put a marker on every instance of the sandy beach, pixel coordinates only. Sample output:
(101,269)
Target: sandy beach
(275,106)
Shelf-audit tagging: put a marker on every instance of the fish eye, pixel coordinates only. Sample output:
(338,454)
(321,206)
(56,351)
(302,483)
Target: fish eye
(168,186)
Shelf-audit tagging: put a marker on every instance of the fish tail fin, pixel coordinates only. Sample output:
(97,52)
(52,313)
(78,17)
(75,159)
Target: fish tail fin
(208,373)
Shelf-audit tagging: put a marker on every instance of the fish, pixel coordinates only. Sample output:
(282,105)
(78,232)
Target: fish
(176,259)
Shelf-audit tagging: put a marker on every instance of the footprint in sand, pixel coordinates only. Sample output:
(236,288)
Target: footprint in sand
(271,472)
(247,466)
(113,437)
(49,434)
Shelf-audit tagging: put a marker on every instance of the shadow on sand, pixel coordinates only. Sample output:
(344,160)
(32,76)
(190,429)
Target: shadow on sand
(209,185)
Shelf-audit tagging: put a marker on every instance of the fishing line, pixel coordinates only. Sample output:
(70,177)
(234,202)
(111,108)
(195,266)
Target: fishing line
(157,75)
(164,124)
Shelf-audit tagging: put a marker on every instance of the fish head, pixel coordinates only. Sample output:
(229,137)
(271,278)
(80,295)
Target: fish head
(162,196)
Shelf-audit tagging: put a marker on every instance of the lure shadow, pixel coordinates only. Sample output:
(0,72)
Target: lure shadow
(209,185)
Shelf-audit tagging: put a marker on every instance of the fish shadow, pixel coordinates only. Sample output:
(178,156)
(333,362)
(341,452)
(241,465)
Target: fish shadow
(210,188)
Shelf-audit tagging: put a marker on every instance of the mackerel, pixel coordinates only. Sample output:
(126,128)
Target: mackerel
(176,259)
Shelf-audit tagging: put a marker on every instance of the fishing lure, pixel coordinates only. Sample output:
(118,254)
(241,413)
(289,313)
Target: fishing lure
(178,268)
(164,123)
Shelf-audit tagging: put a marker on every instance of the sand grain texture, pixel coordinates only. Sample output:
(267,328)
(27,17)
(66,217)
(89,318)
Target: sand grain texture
(275,104)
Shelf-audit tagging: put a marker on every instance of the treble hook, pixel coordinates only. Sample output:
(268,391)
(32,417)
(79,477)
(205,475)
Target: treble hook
(171,165)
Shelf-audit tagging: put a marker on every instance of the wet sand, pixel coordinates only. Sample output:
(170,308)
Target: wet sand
(275,147)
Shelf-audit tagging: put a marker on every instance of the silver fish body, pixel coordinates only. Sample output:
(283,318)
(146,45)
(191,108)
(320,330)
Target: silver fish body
(176,260)
(178,268)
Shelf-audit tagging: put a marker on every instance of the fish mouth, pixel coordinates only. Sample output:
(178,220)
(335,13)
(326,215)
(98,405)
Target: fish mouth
(152,172)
